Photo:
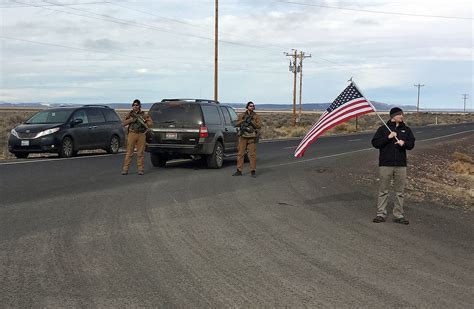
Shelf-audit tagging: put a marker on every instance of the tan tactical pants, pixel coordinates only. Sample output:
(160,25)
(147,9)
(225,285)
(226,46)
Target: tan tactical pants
(251,146)
(135,139)
(388,173)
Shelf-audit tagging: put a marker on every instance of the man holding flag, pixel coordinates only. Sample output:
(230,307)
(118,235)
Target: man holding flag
(393,140)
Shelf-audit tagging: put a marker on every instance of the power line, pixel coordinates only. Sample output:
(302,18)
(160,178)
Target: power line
(121,21)
(376,12)
(44,5)
(76,48)
(125,22)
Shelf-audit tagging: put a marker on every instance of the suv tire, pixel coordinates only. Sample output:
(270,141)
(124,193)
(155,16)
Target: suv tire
(158,160)
(67,148)
(216,159)
(114,145)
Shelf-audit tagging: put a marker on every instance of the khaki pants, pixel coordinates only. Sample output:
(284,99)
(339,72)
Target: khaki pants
(388,173)
(251,146)
(133,139)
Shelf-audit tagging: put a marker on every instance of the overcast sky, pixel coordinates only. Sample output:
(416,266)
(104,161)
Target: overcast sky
(92,51)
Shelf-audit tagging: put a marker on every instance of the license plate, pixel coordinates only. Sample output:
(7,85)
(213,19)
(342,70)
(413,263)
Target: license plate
(25,143)
(170,135)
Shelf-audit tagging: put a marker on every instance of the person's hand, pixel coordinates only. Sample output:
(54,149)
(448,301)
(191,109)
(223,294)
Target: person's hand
(400,142)
(392,135)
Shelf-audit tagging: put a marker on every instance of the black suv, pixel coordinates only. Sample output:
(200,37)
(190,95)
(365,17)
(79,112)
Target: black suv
(66,130)
(192,128)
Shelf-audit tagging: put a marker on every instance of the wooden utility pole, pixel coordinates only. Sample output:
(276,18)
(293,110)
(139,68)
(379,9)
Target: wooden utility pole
(216,51)
(300,69)
(418,101)
(465,96)
(293,69)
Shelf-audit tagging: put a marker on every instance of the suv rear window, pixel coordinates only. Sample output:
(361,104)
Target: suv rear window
(211,115)
(181,114)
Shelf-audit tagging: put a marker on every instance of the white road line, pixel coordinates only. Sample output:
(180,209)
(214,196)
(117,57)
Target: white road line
(61,159)
(433,138)
(282,164)
(318,158)
(290,147)
(418,132)
(355,140)
(355,151)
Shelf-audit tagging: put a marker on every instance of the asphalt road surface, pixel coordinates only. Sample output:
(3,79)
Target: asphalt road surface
(74,232)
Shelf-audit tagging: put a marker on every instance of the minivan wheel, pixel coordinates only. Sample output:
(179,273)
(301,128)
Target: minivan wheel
(216,159)
(21,155)
(67,148)
(158,160)
(114,145)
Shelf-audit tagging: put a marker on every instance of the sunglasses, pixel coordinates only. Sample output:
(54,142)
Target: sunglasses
(135,104)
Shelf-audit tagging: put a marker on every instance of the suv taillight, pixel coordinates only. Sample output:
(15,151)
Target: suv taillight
(203,132)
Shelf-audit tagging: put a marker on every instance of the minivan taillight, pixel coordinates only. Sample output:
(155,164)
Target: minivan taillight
(203,132)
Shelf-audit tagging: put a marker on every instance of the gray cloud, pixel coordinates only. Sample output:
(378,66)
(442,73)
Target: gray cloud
(103,44)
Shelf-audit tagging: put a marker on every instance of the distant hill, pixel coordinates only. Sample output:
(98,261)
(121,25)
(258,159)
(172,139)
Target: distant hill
(317,106)
(260,106)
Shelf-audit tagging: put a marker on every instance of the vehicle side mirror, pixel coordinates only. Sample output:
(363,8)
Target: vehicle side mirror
(76,121)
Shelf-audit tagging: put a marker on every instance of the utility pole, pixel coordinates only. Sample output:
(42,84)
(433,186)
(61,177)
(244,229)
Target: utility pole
(418,101)
(216,50)
(465,96)
(302,56)
(294,69)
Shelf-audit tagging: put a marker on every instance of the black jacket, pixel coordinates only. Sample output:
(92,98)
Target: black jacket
(390,153)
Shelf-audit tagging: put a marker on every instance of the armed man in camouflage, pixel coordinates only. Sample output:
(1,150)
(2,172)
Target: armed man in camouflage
(249,124)
(138,123)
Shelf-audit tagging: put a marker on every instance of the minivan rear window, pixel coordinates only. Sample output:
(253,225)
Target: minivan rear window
(181,114)
(50,116)
(110,115)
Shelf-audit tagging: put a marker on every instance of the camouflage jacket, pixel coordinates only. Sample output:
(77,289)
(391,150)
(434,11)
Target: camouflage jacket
(142,121)
(249,124)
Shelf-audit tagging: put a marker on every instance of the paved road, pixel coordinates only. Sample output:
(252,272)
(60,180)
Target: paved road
(75,232)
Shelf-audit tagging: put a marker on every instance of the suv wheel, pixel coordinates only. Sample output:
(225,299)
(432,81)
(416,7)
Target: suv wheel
(158,160)
(114,145)
(21,155)
(67,148)
(216,159)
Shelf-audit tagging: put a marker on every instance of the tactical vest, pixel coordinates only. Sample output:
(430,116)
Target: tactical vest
(136,126)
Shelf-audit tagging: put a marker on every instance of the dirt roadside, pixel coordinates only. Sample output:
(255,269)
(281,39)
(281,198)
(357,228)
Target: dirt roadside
(440,172)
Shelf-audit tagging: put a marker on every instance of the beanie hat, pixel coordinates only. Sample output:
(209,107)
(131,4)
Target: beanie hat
(395,111)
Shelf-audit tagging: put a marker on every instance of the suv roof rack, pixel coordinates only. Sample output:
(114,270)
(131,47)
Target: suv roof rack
(191,100)
(95,105)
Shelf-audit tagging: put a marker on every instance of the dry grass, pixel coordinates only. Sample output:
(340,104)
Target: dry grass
(275,124)
(463,164)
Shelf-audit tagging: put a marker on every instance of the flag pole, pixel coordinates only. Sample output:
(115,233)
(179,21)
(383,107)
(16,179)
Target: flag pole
(385,124)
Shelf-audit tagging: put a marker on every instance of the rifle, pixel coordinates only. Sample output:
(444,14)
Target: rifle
(139,119)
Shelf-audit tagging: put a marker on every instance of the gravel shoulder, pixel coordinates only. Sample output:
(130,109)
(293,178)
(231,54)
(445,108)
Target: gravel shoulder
(439,171)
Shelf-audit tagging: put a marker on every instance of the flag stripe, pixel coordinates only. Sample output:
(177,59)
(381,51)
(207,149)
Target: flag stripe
(328,125)
(349,104)
(354,105)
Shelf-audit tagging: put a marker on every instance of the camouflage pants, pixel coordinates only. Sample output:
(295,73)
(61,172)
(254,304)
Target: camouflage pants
(138,140)
(251,146)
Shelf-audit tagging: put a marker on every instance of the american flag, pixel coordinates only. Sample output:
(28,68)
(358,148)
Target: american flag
(349,104)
